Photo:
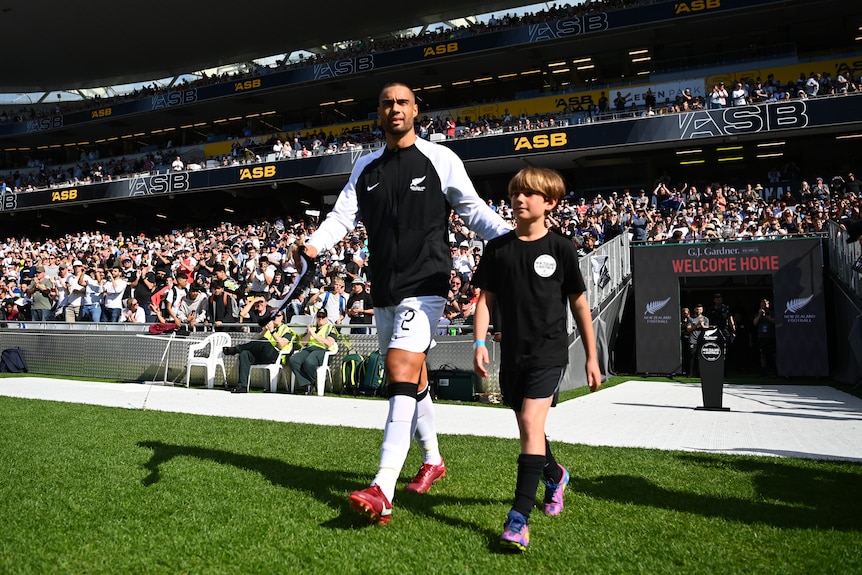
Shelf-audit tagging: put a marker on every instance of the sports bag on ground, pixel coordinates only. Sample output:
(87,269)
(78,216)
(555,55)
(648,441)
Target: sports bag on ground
(12,361)
(453,384)
(373,376)
(352,372)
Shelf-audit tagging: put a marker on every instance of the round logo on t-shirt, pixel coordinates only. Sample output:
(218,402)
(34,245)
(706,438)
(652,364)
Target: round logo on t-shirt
(545,266)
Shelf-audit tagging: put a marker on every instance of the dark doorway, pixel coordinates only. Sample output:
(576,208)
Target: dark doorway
(742,295)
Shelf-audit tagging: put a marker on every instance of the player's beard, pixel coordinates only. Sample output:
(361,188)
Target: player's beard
(397,131)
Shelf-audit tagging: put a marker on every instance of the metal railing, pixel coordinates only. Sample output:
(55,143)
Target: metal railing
(843,257)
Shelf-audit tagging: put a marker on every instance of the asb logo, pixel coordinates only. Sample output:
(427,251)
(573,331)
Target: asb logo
(257,173)
(174,99)
(44,124)
(541,141)
(848,68)
(159,184)
(8,202)
(696,6)
(102,113)
(440,49)
(744,120)
(563,103)
(567,27)
(343,67)
(247,85)
(64,195)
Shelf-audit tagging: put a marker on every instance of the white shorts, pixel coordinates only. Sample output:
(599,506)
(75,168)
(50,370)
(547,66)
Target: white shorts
(410,325)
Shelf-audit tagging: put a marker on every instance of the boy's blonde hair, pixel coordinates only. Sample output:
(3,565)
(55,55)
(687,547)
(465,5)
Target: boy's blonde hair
(543,181)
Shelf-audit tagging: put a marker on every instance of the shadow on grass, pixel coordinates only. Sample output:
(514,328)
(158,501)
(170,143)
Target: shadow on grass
(786,496)
(326,486)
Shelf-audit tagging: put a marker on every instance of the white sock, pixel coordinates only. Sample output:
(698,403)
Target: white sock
(396,443)
(425,431)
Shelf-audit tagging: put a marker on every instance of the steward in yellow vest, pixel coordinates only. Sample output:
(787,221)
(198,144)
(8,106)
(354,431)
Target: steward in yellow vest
(276,336)
(318,340)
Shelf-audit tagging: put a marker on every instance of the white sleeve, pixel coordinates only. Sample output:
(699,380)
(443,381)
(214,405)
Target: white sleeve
(462,196)
(344,215)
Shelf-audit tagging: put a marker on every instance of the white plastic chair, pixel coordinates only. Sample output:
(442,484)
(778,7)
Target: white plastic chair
(273,370)
(213,360)
(323,372)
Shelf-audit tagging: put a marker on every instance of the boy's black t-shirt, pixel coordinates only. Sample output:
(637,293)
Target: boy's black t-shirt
(531,282)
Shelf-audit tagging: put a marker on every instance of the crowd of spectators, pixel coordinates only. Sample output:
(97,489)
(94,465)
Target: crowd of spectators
(223,278)
(89,170)
(39,174)
(249,147)
(743,91)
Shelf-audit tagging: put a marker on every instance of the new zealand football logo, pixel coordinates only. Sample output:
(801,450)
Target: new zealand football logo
(655,306)
(794,310)
(795,305)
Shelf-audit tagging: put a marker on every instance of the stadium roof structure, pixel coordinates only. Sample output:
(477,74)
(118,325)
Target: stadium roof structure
(66,46)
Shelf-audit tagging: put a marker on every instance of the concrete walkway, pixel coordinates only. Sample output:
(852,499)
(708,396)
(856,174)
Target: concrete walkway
(816,422)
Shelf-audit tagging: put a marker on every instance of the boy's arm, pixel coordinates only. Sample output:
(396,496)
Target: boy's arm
(584,321)
(481,319)
(172,313)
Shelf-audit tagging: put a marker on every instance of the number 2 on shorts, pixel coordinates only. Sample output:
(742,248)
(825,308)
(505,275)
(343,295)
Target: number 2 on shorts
(408,317)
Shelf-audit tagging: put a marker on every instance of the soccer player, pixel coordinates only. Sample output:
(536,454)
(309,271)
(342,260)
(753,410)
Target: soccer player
(530,274)
(403,193)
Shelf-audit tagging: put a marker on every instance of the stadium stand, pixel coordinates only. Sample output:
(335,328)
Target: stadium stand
(634,122)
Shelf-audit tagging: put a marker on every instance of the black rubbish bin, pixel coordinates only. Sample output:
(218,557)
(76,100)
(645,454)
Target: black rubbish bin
(711,353)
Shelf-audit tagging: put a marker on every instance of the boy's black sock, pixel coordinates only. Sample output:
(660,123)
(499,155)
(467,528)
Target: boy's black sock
(552,472)
(529,473)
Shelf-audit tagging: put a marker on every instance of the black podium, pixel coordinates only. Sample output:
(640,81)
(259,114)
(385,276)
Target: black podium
(710,350)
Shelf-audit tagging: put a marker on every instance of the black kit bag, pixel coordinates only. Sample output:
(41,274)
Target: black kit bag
(453,384)
(12,361)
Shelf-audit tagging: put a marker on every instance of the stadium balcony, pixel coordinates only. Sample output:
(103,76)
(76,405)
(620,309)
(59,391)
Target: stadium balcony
(130,166)
(307,94)
(585,157)
(15,113)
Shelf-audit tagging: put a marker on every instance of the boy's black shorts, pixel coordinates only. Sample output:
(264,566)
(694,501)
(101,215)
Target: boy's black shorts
(516,385)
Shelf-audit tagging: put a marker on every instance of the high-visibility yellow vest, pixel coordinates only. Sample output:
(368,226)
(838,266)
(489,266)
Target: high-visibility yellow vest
(321,332)
(280,331)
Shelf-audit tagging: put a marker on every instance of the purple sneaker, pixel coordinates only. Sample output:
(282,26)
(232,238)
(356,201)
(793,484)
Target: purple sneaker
(516,532)
(553,504)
